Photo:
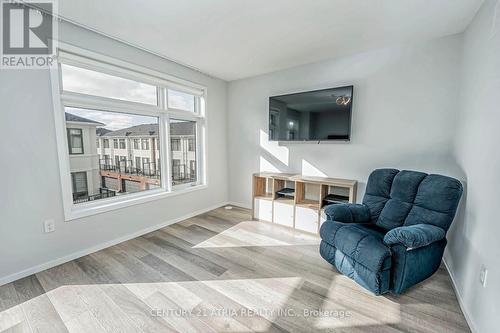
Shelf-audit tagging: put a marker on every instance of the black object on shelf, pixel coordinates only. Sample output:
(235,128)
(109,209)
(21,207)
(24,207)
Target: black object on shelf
(288,193)
(331,199)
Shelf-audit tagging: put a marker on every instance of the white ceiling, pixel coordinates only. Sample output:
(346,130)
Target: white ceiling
(233,39)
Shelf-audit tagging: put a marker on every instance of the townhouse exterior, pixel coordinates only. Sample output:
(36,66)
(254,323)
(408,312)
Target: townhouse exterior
(83,157)
(106,163)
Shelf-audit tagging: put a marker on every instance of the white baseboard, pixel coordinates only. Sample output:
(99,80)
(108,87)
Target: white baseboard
(468,319)
(76,255)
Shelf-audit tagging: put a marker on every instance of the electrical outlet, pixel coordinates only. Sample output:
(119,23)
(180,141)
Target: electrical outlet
(49,226)
(483,274)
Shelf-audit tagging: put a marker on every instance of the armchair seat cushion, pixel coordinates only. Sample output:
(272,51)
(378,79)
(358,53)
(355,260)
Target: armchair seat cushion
(363,243)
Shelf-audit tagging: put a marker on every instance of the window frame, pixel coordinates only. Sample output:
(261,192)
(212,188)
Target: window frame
(75,56)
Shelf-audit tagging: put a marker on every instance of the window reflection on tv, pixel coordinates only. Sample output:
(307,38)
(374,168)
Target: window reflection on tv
(320,115)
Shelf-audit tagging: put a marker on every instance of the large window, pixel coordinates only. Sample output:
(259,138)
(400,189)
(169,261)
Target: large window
(126,106)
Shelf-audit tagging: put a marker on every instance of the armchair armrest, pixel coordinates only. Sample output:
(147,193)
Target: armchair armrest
(414,236)
(348,213)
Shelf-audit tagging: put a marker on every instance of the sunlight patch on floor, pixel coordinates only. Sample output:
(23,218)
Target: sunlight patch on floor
(253,233)
(239,305)
(340,297)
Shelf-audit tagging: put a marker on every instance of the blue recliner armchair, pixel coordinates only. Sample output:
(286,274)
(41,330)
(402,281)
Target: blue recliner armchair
(396,238)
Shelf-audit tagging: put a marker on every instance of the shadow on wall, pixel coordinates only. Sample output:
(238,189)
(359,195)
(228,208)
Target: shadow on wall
(274,150)
(277,158)
(310,170)
(266,166)
(353,161)
(461,253)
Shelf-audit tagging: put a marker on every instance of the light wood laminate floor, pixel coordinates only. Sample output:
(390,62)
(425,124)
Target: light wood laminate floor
(218,272)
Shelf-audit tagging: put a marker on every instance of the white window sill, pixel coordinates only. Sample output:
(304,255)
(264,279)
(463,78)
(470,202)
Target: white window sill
(106,205)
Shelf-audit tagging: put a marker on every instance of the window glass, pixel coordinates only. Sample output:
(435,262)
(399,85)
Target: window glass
(75,140)
(180,100)
(183,159)
(176,144)
(84,81)
(79,183)
(107,168)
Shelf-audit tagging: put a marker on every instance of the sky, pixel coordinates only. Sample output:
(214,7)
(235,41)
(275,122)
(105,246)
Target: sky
(85,81)
(113,120)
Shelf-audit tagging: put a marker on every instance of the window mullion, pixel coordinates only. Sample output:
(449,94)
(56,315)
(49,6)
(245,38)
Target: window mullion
(107,104)
(165,140)
(185,114)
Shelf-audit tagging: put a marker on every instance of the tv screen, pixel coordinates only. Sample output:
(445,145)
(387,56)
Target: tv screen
(320,115)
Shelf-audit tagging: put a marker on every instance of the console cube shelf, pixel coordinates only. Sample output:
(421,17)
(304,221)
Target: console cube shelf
(304,212)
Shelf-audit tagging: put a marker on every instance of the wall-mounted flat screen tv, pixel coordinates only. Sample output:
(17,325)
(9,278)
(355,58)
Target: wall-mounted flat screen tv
(320,115)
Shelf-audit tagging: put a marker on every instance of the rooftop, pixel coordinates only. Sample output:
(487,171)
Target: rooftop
(182,128)
(72,117)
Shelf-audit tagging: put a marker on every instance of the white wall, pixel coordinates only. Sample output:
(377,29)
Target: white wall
(476,230)
(405,115)
(31,191)
(405,101)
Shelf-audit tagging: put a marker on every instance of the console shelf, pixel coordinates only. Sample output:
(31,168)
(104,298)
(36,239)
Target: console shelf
(303,210)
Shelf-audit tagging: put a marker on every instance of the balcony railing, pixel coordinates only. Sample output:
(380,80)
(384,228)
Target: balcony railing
(126,167)
(103,193)
(181,174)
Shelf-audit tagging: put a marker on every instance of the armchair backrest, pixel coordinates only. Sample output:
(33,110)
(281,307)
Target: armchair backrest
(401,198)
